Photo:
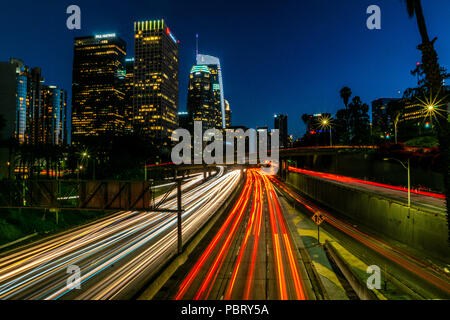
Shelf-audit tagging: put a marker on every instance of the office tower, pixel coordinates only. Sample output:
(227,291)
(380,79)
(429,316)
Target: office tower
(213,64)
(54,122)
(380,117)
(97,101)
(155,94)
(313,122)
(282,125)
(127,88)
(13,99)
(184,120)
(203,102)
(34,113)
(227,114)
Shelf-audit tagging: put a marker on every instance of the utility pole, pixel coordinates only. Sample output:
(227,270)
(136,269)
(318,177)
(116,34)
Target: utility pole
(145,171)
(180,242)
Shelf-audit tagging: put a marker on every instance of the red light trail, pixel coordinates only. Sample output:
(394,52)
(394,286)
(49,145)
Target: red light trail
(344,179)
(396,255)
(240,247)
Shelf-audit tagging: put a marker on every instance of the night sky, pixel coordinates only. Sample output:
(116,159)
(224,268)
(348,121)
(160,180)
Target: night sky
(288,56)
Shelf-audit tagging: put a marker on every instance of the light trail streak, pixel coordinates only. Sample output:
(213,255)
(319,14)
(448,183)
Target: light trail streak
(120,249)
(344,179)
(248,249)
(196,269)
(396,255)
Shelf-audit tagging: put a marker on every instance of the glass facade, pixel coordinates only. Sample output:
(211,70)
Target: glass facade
(155,93)
(97,96)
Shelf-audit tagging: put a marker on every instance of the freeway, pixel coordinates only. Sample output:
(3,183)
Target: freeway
(416,272)
(115,255)
(422,199)
(251,256)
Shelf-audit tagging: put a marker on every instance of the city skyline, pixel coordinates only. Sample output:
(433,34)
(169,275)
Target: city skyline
(319,78)
(254,152)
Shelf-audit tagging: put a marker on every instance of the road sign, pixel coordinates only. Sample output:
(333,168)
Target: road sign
(318,218)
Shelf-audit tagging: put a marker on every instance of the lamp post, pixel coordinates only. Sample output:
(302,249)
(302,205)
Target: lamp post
(408,168)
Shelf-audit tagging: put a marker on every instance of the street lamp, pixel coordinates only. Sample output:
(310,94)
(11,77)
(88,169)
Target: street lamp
(325,123)
(433,106)
(408,168)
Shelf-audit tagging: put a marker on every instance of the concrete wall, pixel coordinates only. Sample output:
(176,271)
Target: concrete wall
(422,230)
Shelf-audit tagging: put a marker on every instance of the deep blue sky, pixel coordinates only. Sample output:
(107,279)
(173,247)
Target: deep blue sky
(288,56)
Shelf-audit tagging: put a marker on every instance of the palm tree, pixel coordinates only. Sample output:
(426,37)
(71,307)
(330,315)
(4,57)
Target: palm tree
(345,94)
(433,79)
(429,55)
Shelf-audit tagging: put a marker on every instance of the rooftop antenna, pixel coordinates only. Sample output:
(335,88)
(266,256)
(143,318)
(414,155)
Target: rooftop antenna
(196,45)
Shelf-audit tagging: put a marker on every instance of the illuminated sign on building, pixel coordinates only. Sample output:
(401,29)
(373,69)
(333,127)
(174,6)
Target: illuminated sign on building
(196,69)
(102,36)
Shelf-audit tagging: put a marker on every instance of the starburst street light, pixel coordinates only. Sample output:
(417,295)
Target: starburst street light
(325,122)
(432,106)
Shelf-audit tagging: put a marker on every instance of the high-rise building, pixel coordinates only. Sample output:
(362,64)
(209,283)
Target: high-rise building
(13,99)
(227,114)
(380,117)
(313,122)
(34,113)
(282,125)
(155,94)
(54,123)
(127,88)
(184,120)
(203,103)
(213,64)
(97,99)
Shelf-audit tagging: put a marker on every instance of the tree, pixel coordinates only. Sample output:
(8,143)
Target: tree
(433,80)
(345,94)
(429,55)
(358,116)
(340,127)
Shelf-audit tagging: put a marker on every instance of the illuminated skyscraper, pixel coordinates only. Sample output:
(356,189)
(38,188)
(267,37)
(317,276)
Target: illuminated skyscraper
(54,122)
(282,125)
(203,103)
(34,113)
(227,114)
(213,64)
(127,88)
(155,95)
(97,99)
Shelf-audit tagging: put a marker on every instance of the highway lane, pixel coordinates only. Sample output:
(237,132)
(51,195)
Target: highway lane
(251,256)
(421,199)
(114,255)
(415,271)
